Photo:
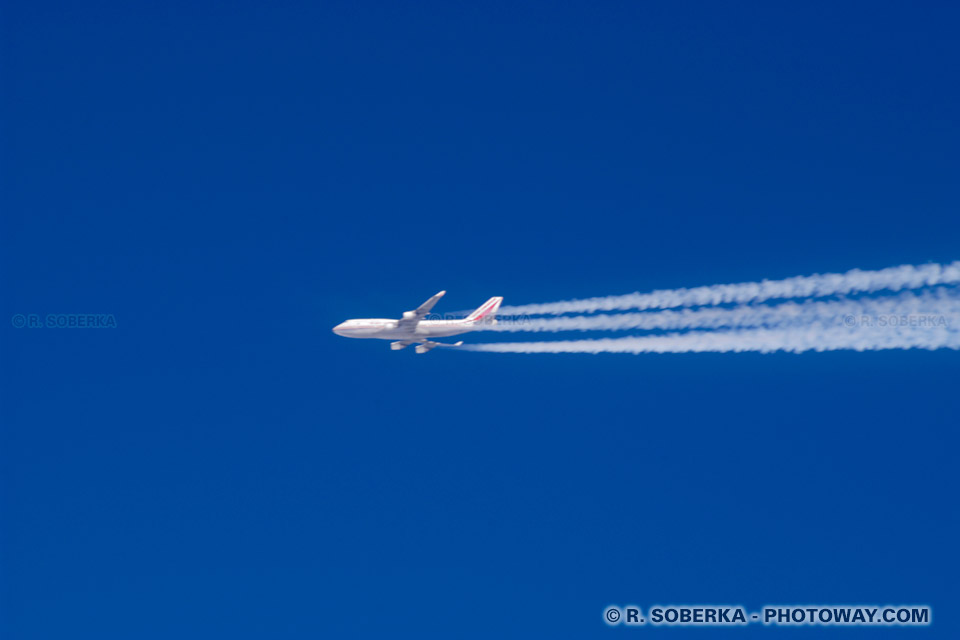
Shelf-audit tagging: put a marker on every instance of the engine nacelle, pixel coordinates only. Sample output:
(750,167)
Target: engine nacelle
(426,346)
(409,315)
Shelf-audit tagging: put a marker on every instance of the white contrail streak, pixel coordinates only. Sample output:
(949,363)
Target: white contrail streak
(855,281)
(794,340)
(944,301)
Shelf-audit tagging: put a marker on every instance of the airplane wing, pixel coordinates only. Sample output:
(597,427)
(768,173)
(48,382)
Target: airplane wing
(429,344)
(425,308)
(418,314)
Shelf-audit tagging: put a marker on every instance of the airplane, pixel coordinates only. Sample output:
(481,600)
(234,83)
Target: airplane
(412,328)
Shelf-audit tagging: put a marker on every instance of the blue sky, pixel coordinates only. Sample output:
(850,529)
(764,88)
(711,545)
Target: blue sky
(232,180)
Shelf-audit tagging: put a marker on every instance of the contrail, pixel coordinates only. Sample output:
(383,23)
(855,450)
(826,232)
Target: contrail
(795,340)
(941,301)
(819,285)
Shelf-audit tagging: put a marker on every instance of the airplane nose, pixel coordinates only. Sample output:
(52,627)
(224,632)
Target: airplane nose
(339,329)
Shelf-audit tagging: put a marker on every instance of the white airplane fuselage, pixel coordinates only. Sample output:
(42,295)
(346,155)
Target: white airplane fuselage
(386,329)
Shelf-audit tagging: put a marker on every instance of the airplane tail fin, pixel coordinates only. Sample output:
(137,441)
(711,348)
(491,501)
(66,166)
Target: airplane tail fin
(487,312)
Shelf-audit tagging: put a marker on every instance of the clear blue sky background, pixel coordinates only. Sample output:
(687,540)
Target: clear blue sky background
(231,180)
